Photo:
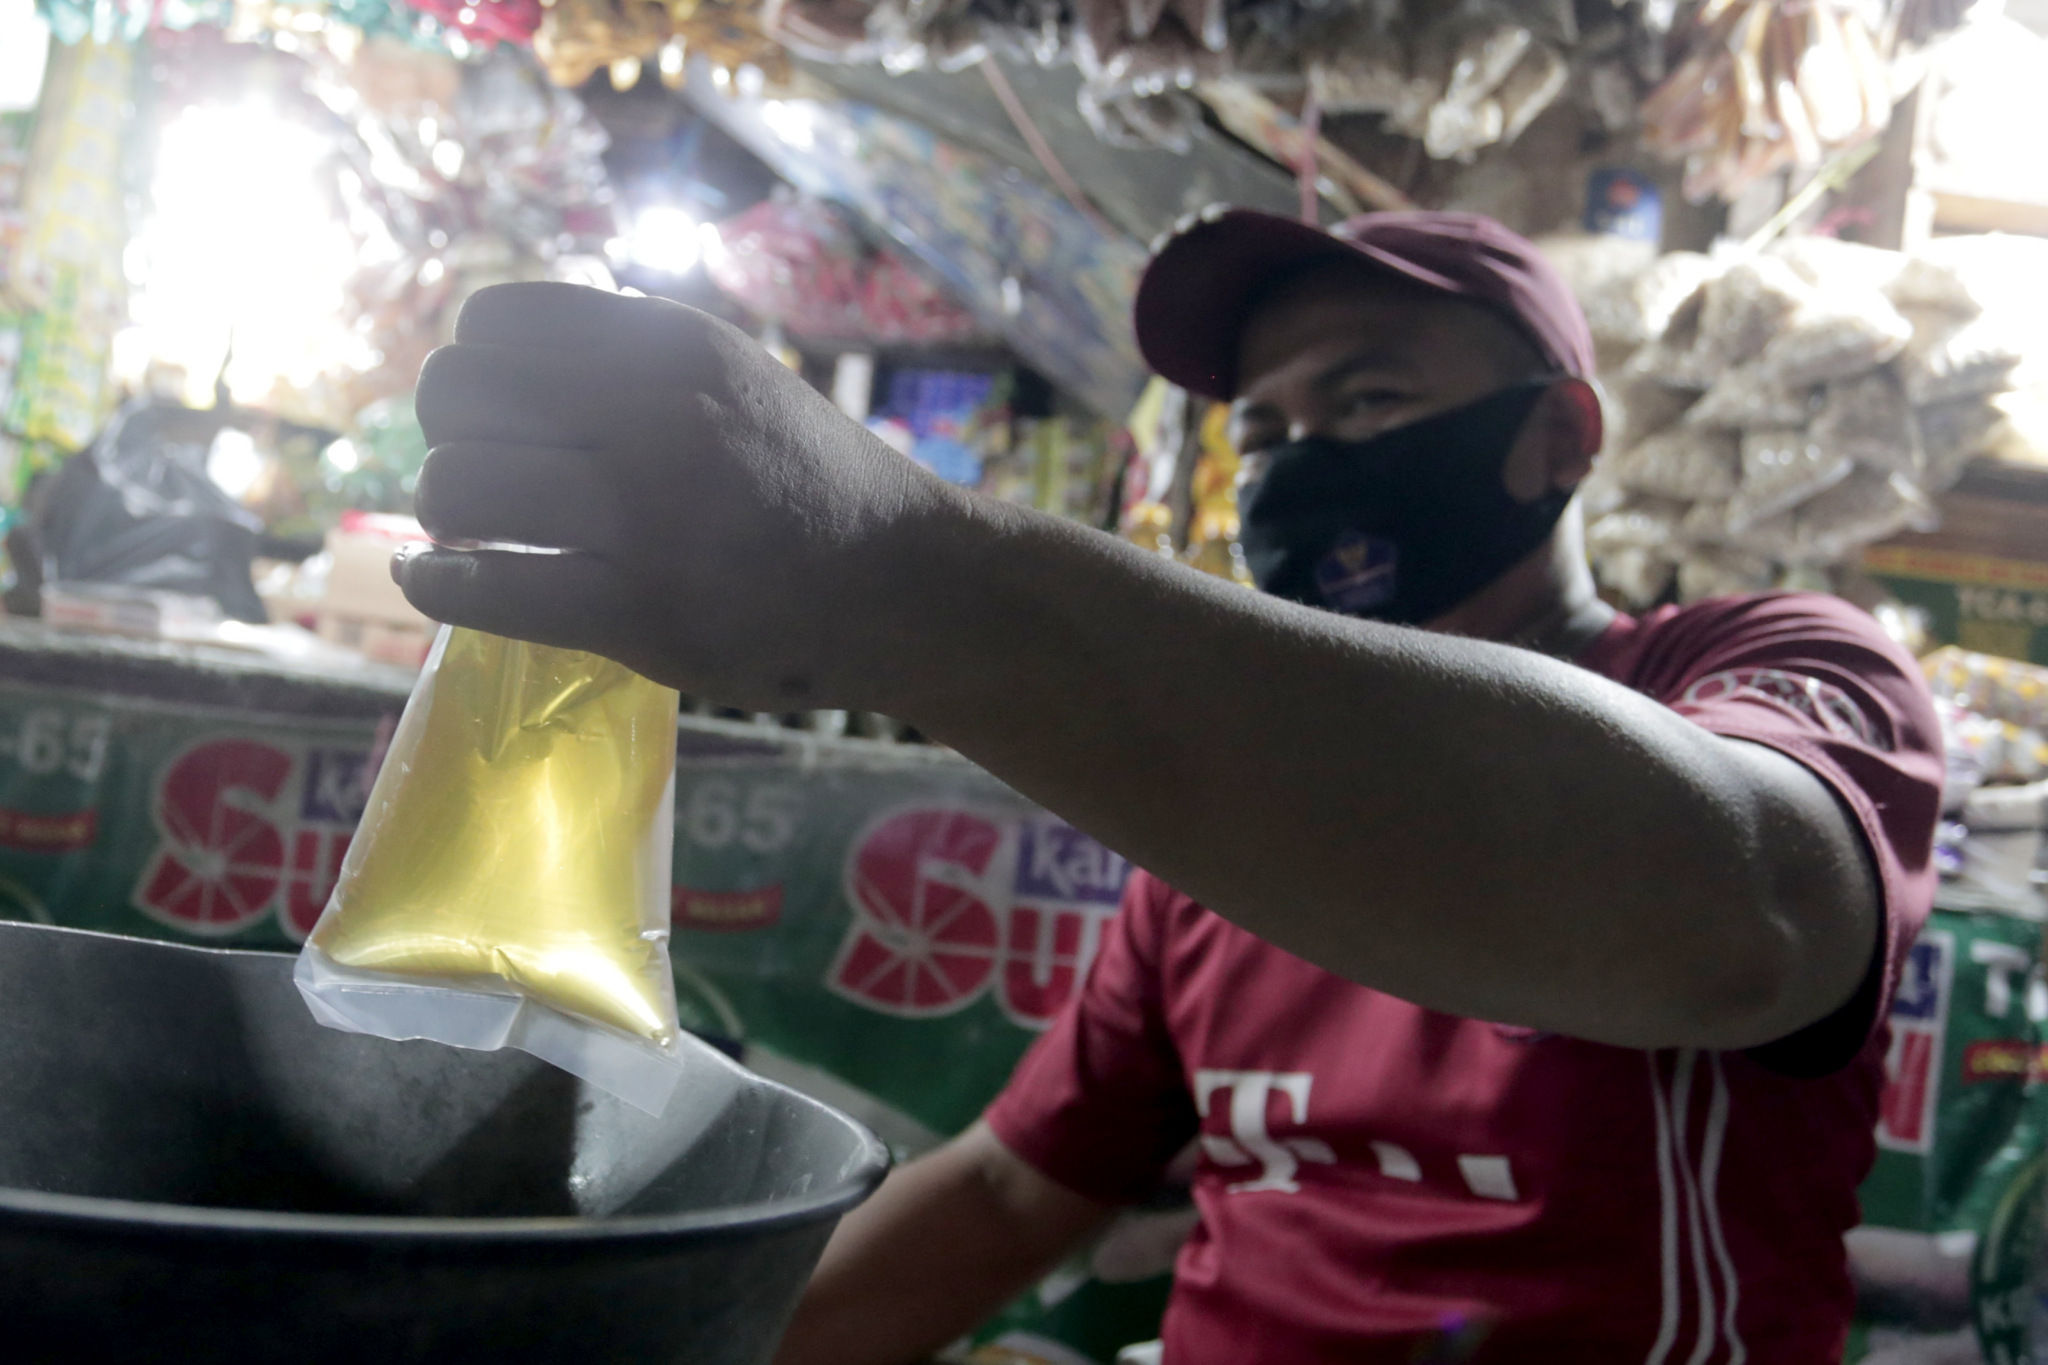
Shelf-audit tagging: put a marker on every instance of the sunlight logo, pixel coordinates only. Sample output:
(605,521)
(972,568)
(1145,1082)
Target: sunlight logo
(247,830)
(949,905)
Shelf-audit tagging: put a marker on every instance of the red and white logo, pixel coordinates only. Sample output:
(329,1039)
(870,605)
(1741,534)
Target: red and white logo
(248,829)
(1250,1141)
(1912,1066)
(950,904)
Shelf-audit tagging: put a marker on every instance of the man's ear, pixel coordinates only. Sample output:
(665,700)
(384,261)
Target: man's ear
(1557,444)
(1586,419)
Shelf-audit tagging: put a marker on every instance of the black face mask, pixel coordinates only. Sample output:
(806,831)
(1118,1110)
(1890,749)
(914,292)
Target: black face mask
(1402,527)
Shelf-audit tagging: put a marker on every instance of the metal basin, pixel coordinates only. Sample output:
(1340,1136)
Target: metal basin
(193,1170)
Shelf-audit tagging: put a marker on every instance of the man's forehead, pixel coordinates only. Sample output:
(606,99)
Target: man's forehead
(1345,325)
(1350,318)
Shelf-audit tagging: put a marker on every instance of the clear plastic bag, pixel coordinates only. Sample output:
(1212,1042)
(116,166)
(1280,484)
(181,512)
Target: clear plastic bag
(1923,285)
(1746,308)
(1679,356)
(1780,470)
(1638,524)
(1869,420)
(1685,463)
(1749,396)
(1951,357)
(1967,275)
(1866,506)
(1953,432)
(1831,263)
(1705,523)
(1721,573)
(1627,313)
(1638,407)
(508,884)
(1840,334)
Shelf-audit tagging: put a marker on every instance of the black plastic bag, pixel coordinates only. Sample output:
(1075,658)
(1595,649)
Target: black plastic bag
(138,509)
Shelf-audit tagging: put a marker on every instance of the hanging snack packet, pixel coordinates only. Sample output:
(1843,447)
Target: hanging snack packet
(508,885)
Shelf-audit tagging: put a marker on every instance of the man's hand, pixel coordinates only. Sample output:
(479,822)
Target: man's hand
(725,521)
(948,1239)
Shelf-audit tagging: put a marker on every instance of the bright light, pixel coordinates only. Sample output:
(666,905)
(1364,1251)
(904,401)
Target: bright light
(710,245)
(664,238)
(244,248)
(24,46)
(233,462)
(343,457)
(790,121)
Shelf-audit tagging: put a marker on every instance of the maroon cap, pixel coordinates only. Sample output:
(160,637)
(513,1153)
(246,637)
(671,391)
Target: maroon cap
(1202,282)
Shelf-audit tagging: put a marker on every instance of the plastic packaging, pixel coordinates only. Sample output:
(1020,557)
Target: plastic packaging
(1868,505)
(1951,357)
(1987,685)
(1831,263)
(1749,396)
(1641,523)
(1953,431)
(508,884)
(1633,311)
(1780,470)
(1638,406)
(1840,334)
(1856,382)
(138,510)
(800,263)
(1721,573)
(1748,306)
(1683,463)
(2004,842)
(1459,78)
(1869,420)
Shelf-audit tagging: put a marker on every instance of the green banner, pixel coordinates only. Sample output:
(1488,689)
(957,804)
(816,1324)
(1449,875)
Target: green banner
(885,926)
(1943,1270)
(1964,1100)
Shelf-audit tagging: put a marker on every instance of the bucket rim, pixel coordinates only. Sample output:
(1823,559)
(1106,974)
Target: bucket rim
(866,1163)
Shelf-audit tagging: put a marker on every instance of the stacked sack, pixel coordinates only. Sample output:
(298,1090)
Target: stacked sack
(1771,414)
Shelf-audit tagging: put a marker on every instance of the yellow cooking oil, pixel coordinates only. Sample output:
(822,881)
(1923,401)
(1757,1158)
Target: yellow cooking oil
(508,835)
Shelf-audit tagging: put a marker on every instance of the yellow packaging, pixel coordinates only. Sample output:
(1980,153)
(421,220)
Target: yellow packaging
(508,884)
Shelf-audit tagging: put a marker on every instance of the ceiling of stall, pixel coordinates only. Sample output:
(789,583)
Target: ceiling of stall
(1140,191)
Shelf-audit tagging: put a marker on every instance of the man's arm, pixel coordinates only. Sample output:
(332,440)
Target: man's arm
(1472,827)
(946,1241)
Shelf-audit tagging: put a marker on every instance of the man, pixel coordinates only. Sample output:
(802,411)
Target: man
(1529,978)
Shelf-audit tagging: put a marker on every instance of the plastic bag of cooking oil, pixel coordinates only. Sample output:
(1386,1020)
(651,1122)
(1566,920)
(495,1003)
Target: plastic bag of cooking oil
(508,885)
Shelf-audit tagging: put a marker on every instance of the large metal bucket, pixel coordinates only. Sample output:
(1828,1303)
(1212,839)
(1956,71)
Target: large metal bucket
(192,1170)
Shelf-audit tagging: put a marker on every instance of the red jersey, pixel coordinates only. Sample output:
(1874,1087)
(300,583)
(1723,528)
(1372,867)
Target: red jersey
(1375,1175)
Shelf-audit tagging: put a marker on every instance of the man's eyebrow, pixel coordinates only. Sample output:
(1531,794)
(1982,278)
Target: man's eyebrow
(1389,360)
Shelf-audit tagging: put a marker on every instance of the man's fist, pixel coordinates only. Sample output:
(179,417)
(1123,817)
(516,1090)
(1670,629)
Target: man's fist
(725,530)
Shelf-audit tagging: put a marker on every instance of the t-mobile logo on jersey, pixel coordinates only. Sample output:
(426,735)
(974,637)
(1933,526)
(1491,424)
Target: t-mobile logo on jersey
(1250,1140)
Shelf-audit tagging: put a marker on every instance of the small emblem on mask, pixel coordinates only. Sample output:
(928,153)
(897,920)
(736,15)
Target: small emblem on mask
(1358,574)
